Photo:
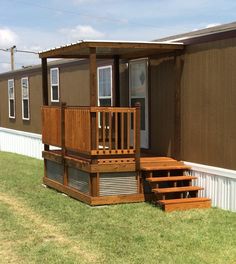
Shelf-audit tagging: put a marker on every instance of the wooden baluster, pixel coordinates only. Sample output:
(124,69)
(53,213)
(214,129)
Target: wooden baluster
(116,130)
(110,131)
(122,130)
(134,128)
(128,130)
(104,130)
(97,131)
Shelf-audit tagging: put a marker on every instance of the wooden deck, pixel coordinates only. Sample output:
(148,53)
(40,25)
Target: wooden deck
(99,160)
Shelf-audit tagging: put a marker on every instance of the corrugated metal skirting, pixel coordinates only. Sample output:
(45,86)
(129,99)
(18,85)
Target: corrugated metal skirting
(20,142)
(55,171)
(79,180)
(118,183)
(219,185)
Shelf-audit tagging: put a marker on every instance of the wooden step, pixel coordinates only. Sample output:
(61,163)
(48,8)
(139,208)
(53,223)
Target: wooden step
(157,168)
(177,189)
(171,178)
(184,204)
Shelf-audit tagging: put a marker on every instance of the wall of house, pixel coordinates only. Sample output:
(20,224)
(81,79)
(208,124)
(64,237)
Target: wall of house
(208,104)
(162,106)
(74,84)
(34,124)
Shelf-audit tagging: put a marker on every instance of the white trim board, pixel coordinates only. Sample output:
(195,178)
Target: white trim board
(212,170)
(21,133)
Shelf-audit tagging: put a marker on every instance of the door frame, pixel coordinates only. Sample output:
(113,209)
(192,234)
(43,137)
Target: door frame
(144,134)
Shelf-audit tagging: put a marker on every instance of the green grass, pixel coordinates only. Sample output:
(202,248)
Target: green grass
(40,225)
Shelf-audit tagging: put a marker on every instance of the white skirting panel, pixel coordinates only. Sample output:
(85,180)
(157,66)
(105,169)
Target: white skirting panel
(21,142)
(219,185)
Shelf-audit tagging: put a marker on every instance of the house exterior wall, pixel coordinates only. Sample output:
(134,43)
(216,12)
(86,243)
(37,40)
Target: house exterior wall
(208,104)
(34,124)
(162,106)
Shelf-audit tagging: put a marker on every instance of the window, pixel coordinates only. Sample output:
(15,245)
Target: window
(105,86)
(25,98)
(11,98)
(54,76)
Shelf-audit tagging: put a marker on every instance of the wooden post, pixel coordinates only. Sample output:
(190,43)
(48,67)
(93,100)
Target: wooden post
(94,184)
(93,94)
(93,77)
(137,135)
(178,73)
(63,107)
(117,80)
(45,88)
(45,81)
(63,147)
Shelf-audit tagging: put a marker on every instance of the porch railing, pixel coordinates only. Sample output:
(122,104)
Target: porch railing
(92,130)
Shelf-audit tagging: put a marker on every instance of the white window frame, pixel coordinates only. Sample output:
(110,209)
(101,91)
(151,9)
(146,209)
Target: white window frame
(22,98)
(9,99)
(55,84)
(105,97)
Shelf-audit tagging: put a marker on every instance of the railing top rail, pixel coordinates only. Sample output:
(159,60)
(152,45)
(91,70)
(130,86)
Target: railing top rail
(96,108)
(112,109)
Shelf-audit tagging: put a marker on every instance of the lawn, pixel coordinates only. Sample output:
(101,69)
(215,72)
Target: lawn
(40,225)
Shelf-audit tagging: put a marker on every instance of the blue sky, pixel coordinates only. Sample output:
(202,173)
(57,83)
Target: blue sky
(36,25)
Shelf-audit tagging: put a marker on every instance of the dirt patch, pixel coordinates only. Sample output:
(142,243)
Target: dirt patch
(7,253)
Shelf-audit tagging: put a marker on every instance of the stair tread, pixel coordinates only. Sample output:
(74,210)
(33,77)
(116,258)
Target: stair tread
(171,178)
(168,167)
(184,200)
(177,189)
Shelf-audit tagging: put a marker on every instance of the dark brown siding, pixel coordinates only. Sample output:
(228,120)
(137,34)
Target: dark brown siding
(74,85)
(34,124)
(162,78)
(209,104)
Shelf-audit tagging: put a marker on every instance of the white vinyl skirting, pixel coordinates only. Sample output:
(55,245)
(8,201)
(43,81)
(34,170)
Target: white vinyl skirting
(20,142)
(219,185)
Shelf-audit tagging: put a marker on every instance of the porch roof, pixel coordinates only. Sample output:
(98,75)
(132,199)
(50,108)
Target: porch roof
(110,49)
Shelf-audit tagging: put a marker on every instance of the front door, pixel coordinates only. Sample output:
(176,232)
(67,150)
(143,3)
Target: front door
(138,89)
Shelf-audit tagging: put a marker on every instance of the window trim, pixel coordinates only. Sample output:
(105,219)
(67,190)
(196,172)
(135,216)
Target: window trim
(105,97)
(9,105)
(22,99)
(58,84)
